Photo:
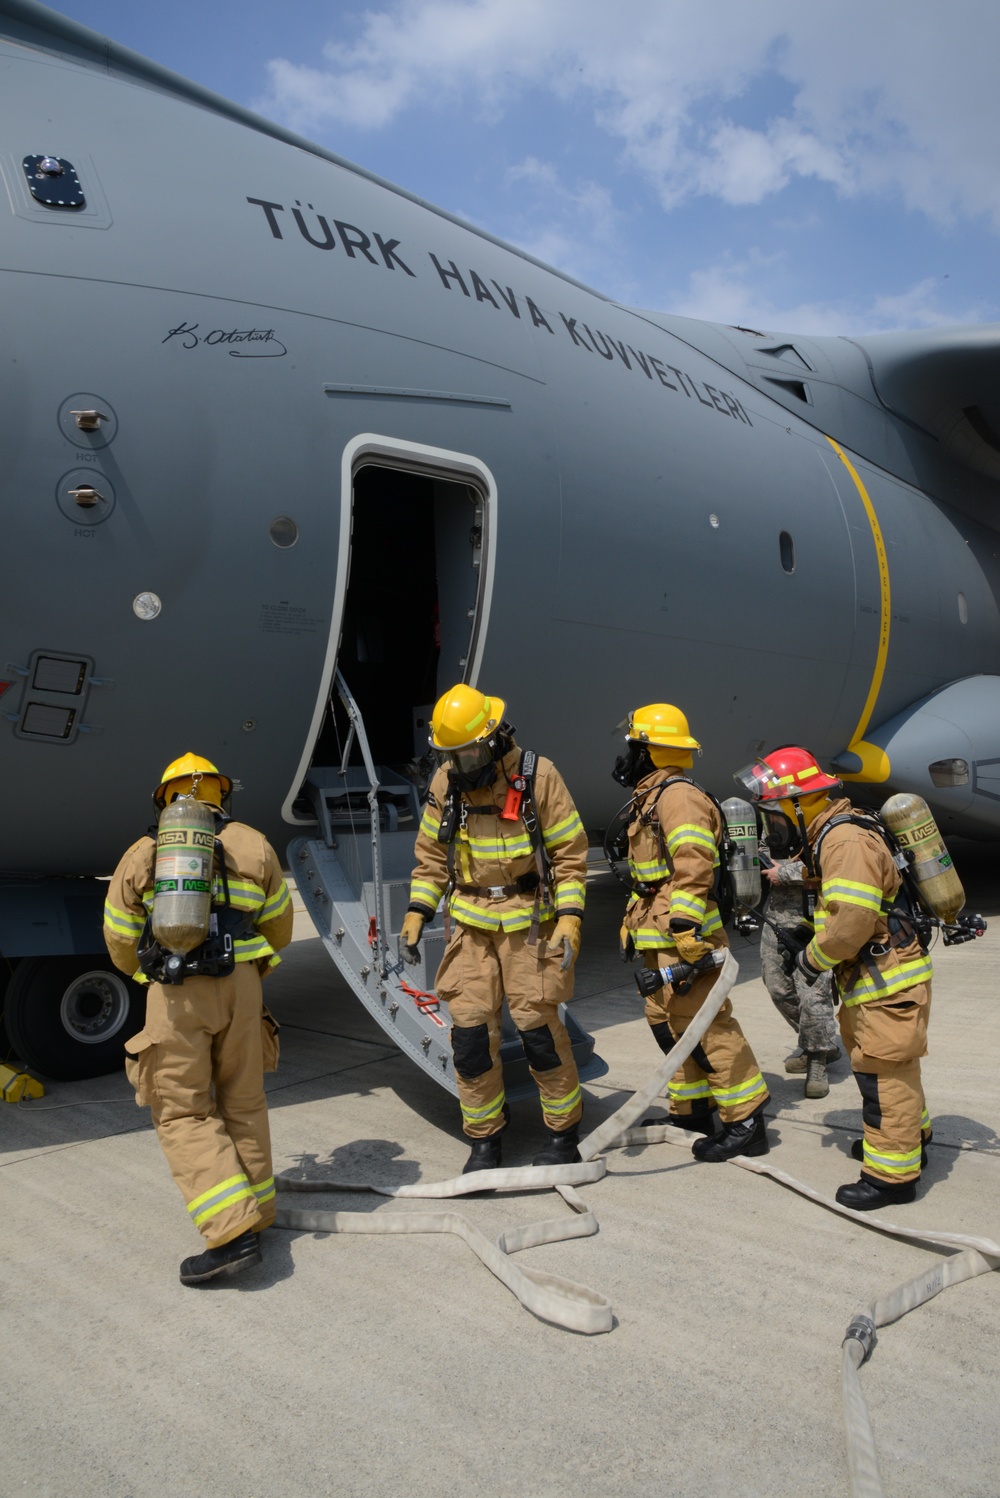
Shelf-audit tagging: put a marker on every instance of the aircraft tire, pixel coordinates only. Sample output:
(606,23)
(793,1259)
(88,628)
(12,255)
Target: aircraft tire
(69,1017)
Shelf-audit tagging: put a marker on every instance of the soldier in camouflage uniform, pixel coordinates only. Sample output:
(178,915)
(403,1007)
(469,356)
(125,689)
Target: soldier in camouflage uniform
(809,1010)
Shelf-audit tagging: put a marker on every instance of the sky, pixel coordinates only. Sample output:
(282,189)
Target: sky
(812,168)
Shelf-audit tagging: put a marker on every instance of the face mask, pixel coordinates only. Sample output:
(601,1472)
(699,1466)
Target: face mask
(633,765)
(780,833)
(473,767)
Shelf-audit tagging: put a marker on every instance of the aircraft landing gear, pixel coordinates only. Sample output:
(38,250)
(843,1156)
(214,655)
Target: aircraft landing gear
(69,1017)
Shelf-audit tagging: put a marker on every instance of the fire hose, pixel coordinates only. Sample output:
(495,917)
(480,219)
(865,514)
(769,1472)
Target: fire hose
(576,1307)
(550,1297)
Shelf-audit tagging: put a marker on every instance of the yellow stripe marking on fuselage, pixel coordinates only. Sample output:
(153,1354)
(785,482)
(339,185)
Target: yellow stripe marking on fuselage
(874,761)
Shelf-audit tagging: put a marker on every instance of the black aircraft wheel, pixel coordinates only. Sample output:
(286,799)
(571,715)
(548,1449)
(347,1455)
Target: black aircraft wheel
(69,1017)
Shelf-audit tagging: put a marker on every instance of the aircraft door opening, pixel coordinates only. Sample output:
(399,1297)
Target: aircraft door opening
(412,604)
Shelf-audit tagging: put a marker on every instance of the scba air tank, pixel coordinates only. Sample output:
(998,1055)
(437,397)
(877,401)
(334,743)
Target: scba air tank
(182,883)
(909,819)
(744,855)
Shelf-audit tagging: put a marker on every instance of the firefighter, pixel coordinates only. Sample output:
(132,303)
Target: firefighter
(200,1059)
(673,836)
(881,972)
(501,838)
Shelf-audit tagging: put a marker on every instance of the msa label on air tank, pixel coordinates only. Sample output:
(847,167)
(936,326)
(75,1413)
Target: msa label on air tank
(182,837)
(918,834)
(173,837)
(195,886)
(307,226)
(165,886)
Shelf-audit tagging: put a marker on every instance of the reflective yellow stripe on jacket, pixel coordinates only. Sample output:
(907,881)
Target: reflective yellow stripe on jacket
(122,922)
(891,981)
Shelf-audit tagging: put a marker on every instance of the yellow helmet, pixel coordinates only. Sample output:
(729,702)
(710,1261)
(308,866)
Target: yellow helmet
(465,716)
(178,778)
(661,723)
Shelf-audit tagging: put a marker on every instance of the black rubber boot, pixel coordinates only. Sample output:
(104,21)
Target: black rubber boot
(748,1137)
(560,1148)
(858,1153)
(239,1253)
(701,1119)
(867,1195)
(486,1154)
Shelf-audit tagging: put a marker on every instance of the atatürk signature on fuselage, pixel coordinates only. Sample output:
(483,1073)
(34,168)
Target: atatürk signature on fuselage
(265,342)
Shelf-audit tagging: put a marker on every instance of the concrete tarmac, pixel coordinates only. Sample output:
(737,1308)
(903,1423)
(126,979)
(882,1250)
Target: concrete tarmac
(399,1366)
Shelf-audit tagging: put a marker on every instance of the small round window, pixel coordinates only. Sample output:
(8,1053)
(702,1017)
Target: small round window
(786,548)
(283,531)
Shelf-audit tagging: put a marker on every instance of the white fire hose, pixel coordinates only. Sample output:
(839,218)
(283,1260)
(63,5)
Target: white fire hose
(578,1308)
(548,1296)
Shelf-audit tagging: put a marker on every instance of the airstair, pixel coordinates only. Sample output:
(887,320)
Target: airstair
(354,880)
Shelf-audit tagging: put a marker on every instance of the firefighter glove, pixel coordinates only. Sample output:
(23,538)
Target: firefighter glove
(688,943)
(413,924)
(626,943)
(806,969)
(566,935)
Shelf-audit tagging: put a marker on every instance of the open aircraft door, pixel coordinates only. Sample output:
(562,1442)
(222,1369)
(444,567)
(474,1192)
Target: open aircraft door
(410,614)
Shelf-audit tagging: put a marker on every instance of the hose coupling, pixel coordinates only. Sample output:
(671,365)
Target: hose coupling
(862,1329)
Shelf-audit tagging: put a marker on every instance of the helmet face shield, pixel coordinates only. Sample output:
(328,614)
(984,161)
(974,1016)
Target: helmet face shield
(468,760)
(760,782)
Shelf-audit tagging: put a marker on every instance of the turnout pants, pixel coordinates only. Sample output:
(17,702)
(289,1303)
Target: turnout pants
(479,969)
(722,1072)
(808,1009)
(886,1039)
(199,1066)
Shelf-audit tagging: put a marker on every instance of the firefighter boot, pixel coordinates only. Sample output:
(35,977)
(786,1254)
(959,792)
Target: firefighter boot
(486,1154)
(867,1195)
(239,1253)
(858,1152)
(701,1119)
(561,1148)
(748,1137)
(817,1084)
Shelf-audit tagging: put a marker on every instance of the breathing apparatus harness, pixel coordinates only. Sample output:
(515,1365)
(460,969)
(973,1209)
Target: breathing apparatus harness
(616,842)
(215,956)
(520,805)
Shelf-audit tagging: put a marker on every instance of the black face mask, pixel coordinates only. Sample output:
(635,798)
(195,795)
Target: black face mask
(780,834)
(632,766)
(479,778)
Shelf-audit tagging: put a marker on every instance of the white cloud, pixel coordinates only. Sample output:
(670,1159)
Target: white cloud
(742,293)
(893,98)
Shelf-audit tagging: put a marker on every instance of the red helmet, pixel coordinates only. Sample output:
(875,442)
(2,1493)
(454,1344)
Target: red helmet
(784,774)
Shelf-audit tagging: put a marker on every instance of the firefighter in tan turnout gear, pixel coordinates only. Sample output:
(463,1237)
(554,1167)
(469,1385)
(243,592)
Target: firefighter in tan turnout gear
(199,1062)
(674,829)
(881,972)
(501,838)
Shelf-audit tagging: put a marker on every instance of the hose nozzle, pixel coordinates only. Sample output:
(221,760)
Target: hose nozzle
(679,975)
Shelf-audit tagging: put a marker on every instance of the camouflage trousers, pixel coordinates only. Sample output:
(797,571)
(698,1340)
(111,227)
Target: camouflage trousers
(809,1010)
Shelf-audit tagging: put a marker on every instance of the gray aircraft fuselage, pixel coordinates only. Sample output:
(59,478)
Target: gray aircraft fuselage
(743,524)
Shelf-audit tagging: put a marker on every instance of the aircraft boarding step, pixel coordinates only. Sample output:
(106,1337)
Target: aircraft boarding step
(354,881)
